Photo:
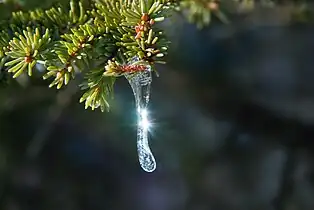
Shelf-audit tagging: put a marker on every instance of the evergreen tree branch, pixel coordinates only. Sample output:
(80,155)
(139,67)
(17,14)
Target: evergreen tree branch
(100,40)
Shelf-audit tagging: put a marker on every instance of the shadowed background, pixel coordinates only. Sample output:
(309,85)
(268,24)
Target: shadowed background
(233,114)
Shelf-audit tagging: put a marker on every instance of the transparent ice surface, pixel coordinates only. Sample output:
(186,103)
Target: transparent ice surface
(140,83)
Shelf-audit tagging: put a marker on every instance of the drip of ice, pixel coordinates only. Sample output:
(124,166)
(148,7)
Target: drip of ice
(140,83)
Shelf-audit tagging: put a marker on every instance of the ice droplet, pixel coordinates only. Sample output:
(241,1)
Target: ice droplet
(140,83)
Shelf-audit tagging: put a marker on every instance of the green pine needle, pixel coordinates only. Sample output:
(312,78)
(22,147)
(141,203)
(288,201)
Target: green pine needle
(97,40)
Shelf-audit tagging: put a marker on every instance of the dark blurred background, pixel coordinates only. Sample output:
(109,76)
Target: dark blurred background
(233,114)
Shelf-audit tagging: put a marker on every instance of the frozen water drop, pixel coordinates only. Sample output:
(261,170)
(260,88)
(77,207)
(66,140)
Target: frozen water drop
(140,83)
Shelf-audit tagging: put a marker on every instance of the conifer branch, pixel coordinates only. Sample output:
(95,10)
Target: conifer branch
(100,40)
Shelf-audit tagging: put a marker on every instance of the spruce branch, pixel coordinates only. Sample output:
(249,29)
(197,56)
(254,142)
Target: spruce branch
(99,90)
(100,40)
(4,39)
(201,12)
(74,47)
(25,51)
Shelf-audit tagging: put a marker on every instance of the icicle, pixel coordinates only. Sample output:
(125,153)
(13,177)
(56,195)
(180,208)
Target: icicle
(140,83)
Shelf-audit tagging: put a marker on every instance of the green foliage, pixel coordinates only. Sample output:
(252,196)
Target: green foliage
(25,51)
(58,19)
(95,38)
(75,40)
(74,47)
(99,89)
(201,12)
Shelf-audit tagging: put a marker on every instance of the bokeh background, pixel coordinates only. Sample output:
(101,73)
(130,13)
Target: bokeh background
(233,114)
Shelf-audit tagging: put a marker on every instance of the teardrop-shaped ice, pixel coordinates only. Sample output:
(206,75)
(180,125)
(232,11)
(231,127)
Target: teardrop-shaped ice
(140,83)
